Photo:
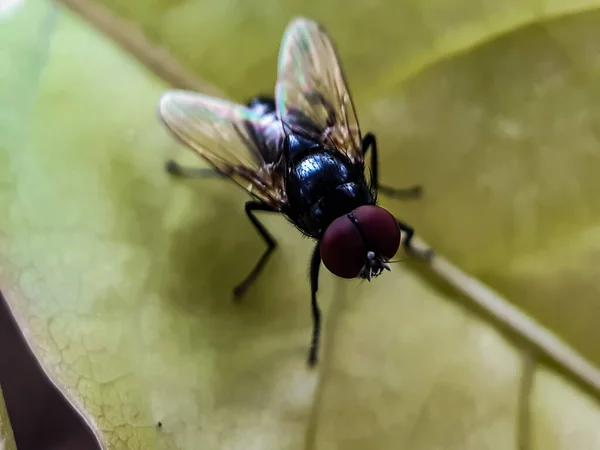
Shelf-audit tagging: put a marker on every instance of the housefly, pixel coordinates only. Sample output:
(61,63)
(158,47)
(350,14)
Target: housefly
(300,154)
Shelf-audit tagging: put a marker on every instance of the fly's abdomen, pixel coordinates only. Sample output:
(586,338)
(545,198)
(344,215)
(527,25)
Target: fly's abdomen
(268,132)
(262,105)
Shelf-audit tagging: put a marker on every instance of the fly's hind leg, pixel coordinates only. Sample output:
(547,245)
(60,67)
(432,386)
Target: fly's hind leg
(177,170)
(410,193)
(250,207)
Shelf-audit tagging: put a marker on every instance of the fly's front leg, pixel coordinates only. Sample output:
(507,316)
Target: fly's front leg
(418,253)
(177,170)
(315,264)
(410,193)
(250,207)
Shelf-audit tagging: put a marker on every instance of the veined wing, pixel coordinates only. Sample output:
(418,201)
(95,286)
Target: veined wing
(222,133)
(312,94)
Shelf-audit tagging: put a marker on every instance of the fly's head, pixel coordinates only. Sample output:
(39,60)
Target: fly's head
(374,265)
(360,243)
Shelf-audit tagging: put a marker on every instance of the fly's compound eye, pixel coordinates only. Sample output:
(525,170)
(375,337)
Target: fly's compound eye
(380,229)
(347,241)
(342,248)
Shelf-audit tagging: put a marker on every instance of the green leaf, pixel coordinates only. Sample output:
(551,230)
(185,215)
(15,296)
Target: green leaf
(21,56)
(380,44)
(121,278)
(7,441)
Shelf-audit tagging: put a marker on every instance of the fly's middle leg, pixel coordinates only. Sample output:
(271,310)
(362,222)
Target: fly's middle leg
(177,170)
(410,193)
(250,207)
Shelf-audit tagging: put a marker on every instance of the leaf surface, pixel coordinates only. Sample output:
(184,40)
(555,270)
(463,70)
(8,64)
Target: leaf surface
(6,435)
(121,278)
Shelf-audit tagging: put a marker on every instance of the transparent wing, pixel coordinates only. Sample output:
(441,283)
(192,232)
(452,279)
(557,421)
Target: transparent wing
(224,134)
(312,94)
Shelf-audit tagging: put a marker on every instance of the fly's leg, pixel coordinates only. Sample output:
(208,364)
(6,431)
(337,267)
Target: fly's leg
(250,207)
(418,253)
(315,264)
(175,169)
(410,193)
(180,171)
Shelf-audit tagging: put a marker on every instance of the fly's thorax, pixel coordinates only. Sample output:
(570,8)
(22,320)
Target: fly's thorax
(321,184)
(298,148)
(339,202)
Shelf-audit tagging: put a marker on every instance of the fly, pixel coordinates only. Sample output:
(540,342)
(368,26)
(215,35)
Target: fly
(300,154)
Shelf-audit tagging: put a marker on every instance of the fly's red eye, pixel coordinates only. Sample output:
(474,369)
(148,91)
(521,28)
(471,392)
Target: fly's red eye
(342,248)
(380,228)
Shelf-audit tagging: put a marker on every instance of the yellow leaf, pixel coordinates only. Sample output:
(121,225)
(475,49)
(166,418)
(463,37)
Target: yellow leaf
(121,278)
(6,435)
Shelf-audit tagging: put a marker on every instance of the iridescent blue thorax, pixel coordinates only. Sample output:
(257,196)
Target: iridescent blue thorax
(322,184)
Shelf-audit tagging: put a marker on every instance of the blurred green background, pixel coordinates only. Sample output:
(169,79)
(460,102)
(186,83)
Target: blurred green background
(120,277)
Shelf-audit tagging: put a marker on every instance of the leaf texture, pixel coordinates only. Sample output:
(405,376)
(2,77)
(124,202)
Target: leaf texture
(121,277)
